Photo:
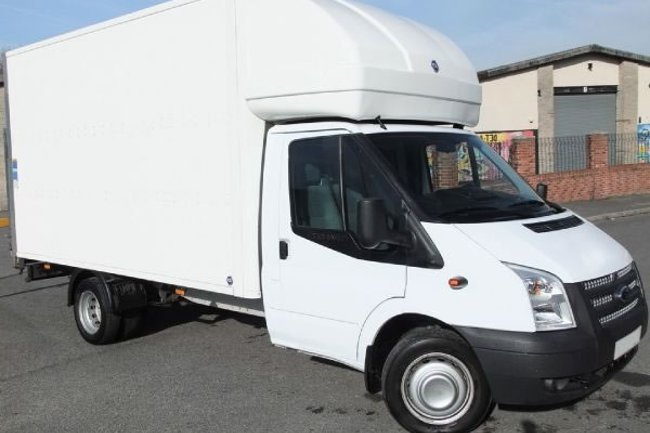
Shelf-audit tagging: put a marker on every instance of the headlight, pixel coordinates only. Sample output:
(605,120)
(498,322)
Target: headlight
(551,308)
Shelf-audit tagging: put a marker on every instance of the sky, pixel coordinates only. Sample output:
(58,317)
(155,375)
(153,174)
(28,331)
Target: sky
(491,32)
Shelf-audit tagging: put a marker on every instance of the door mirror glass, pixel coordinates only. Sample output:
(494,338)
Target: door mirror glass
(373,226)
(542,190)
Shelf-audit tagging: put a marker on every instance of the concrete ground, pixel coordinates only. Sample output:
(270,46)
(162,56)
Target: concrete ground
(196,370)
(614,207)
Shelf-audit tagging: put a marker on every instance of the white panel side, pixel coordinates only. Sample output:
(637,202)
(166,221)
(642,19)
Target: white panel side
(137,15)
(127,148)
(250,144)
(4,199)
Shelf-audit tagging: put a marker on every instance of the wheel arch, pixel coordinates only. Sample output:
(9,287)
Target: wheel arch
(383,330)
(123,294)
(79,275)
(386,338)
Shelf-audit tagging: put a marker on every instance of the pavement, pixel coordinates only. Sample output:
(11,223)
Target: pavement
(611,208)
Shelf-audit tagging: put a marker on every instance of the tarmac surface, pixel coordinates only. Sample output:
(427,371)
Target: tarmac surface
(611,208)
(196,369)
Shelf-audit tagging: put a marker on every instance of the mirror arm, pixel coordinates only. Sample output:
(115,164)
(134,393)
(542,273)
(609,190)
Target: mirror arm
(542,191)
(401,239)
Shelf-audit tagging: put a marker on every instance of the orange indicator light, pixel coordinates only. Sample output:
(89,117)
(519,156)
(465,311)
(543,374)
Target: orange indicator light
(458,283)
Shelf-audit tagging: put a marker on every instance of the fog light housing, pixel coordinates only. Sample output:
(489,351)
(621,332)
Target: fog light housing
(555,385)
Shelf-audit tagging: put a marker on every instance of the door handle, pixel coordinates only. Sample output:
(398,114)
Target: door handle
(284,250)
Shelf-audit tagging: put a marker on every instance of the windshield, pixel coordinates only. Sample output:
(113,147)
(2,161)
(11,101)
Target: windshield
(458,178)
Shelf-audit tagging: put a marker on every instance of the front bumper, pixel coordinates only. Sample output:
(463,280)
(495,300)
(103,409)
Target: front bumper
(546,368)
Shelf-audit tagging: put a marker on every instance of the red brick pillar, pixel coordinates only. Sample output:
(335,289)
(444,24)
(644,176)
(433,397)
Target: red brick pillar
(597,151)
(523,156)
(447,168)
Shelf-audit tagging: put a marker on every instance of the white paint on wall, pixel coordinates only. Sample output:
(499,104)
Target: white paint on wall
(510,103)
(644,93)
(575,72)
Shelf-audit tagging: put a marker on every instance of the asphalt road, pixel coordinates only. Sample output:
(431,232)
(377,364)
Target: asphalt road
(195,369)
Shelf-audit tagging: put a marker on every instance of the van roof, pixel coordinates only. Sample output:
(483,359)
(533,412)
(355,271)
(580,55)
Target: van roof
(306,59)
(340,58)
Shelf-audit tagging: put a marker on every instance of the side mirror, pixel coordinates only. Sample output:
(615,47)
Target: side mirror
(373,229)
(542,190)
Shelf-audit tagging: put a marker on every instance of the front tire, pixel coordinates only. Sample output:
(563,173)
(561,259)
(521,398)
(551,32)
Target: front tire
(96,322)
(433,382)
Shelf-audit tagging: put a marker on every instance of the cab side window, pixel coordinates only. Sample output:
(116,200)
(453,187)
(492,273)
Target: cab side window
(315,191)
(328,177)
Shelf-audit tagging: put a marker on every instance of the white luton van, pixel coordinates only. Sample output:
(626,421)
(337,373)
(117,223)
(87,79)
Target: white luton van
(307,161)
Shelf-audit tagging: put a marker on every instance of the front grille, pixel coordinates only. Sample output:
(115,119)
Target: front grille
(612,296)
(555,225)
(603,300)
(598,282)
(616,314)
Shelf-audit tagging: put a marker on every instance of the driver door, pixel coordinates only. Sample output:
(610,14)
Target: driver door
(327,284)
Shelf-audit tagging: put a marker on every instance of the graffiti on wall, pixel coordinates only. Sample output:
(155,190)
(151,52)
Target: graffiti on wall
(502,141)
(439,165)
(643,132)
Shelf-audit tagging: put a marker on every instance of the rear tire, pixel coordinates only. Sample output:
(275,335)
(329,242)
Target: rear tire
(96,322)
(433,382)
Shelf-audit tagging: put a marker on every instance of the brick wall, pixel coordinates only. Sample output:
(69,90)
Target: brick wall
(446,167)
(597,181)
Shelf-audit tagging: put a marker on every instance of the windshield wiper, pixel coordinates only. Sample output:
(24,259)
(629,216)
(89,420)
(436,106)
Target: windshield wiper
(536,203)
(470,210)
(493,213)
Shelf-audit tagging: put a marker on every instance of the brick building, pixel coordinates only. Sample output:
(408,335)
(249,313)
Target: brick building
(568,94)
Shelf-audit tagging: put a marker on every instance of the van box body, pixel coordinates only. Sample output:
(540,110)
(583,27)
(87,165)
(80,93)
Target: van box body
(139,150)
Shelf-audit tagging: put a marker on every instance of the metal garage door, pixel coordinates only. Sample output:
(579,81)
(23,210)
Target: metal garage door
(584,114)
(577,115)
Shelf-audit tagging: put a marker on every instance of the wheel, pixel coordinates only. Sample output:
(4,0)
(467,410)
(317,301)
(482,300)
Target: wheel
(96,323)
(433,382)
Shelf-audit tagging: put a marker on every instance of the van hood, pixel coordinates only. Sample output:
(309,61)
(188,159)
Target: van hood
(573,254)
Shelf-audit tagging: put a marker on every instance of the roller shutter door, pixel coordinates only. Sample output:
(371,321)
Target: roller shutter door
(577,115)
(584,114)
